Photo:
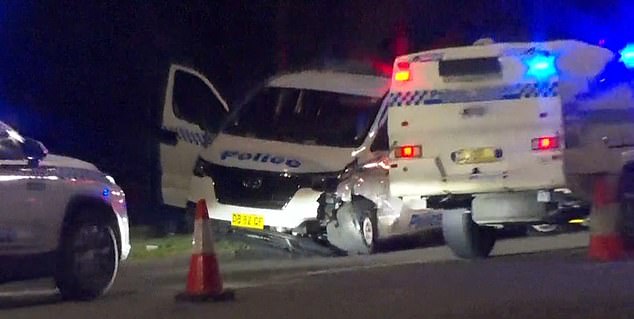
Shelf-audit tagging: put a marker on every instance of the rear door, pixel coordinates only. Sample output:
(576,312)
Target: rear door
(193,112)
(477,115)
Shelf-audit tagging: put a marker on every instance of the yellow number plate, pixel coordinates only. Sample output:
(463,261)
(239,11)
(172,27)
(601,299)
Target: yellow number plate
(247,221)
(476,155)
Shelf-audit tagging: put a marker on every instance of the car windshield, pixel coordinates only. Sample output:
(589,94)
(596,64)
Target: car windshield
(305,116)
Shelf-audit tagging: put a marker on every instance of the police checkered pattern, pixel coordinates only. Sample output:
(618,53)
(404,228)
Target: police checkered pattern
(517,91)
(189,136)
(534,90)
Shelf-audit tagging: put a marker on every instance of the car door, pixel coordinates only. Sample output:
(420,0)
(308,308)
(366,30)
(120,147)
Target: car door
(193,112)
(23,224)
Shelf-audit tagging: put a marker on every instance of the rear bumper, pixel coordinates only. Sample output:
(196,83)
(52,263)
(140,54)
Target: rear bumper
(427,177)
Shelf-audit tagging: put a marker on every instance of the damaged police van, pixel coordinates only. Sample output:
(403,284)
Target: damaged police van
(499,134)
(305,154)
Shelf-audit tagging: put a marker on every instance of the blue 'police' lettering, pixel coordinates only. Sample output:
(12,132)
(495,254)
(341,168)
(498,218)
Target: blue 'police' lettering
(262,158)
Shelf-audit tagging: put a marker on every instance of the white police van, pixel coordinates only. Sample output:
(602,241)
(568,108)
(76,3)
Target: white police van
(483,132)
(59,217)
(304,154)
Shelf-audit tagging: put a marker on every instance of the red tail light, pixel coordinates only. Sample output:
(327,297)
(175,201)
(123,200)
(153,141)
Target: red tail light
(402,72)
(408,151)
(545,143)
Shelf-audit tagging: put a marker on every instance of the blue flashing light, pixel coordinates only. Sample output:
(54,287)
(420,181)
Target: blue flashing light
(627,56)
(106,192)
(541,66)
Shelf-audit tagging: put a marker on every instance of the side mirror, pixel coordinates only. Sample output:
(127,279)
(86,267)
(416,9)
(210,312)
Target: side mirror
(34,151)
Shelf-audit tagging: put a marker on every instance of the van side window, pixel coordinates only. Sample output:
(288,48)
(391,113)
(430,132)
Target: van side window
(10,149)
(194,102)
(381,142)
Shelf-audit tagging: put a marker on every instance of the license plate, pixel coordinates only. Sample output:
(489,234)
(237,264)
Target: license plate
(476,155)
(247,221)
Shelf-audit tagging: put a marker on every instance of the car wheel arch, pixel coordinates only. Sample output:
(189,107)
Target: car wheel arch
(76,210)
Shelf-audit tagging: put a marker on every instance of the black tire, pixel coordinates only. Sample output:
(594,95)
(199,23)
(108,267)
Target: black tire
(92,276)
(544,230)
(466,238)
(360,232)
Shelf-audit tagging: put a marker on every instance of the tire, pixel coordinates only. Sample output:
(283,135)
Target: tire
(355,230)
(465,238)
(88,261)
(544,230)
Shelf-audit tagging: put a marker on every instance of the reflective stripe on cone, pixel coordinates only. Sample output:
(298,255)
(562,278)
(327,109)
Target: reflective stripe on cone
(606,242)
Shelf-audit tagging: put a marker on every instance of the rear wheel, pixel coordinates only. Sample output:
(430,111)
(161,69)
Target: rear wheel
(544,229)
(466,238)
(88,261)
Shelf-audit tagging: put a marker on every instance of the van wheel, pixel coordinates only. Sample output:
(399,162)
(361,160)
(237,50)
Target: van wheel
(355,230)
(88,261)
(466,238)
(544,229)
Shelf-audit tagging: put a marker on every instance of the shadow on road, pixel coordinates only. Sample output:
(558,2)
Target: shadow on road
(20,300)
(431,238)
(44,297)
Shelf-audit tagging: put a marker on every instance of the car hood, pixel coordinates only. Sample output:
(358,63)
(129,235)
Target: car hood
(274,156)
(65,161)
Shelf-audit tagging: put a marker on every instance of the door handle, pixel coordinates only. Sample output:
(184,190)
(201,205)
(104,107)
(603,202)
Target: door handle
(473,111)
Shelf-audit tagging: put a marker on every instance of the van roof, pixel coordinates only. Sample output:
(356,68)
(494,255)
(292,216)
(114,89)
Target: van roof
(338,82)
(499,48)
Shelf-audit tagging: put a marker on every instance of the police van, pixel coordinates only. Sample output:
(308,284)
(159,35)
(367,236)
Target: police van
(482,132)
(304,154)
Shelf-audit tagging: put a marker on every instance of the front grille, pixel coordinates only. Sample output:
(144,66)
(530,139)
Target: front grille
(261,189)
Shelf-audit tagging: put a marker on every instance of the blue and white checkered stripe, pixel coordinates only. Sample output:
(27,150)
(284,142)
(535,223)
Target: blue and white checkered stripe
(512,92)
(190,136)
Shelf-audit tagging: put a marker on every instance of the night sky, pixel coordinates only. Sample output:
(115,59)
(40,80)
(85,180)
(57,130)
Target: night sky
(87,77)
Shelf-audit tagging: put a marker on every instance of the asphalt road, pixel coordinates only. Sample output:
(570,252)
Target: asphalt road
(528,278)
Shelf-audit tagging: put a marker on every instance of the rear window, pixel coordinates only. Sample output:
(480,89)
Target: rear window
(470,67)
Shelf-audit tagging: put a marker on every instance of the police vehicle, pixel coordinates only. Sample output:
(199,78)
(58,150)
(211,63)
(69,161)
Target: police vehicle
(59,217)
(491,134)
(305,154)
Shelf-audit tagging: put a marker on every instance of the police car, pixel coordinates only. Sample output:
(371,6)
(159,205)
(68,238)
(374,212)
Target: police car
(59,217)
(485,133)
(304,154)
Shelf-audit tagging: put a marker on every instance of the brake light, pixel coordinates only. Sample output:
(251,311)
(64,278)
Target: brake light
(408,151)
(402,73)
(545,143)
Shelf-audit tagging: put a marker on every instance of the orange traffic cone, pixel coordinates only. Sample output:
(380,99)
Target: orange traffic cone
(204,281)
(606,239)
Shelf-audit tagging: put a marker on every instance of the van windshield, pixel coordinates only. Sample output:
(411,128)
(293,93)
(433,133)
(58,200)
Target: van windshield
(305,117)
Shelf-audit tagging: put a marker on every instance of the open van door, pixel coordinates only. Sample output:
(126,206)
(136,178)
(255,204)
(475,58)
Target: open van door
(192,115)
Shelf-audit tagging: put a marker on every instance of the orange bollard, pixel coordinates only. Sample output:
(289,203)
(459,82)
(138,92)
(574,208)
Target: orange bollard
(204,281)
(606,240)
